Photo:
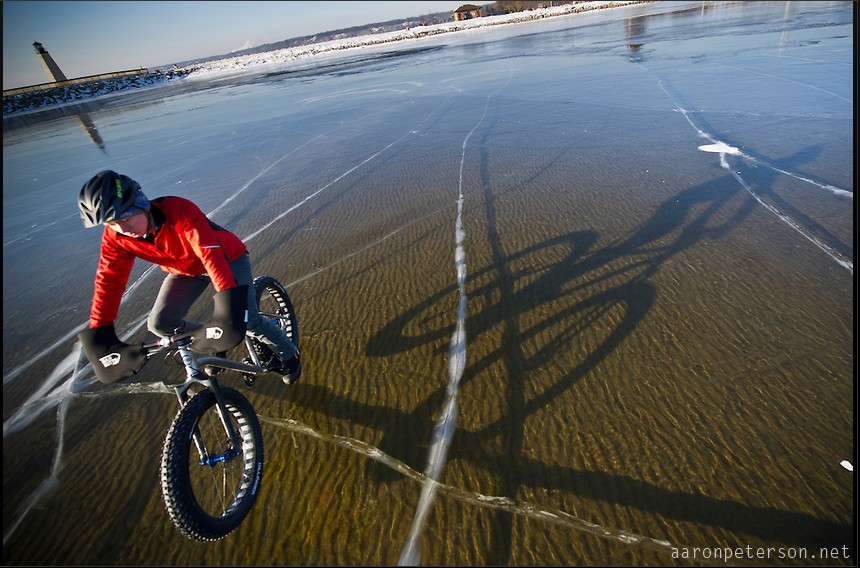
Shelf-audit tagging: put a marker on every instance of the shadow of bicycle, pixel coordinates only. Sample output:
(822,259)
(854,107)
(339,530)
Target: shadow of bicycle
(565,297)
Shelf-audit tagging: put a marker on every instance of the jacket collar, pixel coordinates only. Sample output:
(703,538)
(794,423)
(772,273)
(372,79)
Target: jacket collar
(157,216)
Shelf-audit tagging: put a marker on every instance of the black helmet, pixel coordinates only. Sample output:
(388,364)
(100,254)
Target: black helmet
(109,196)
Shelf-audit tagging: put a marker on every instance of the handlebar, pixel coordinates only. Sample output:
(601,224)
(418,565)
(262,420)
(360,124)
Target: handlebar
(165,342)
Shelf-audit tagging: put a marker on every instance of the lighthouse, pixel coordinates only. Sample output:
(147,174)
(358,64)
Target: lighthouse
(57,76)
(51,67)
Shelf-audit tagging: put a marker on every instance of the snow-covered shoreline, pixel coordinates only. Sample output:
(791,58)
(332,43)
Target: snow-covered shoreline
(237,64)
(241,62)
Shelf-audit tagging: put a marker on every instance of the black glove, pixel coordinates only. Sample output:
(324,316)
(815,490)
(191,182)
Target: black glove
(111,358)
(226,329)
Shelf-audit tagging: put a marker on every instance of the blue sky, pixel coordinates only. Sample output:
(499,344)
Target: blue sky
(87,38)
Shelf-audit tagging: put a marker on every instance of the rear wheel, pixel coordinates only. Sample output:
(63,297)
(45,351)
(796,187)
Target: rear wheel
(274,304)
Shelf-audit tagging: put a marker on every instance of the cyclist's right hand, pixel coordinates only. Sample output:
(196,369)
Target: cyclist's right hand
(111,358)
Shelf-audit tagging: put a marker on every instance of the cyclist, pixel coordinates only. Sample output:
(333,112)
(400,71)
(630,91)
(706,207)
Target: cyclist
(175,234)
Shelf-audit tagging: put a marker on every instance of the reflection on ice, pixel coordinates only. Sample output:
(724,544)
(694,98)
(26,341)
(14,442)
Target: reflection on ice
(90,129)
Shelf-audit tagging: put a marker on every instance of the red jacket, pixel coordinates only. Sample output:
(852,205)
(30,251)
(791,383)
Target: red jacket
(185,242)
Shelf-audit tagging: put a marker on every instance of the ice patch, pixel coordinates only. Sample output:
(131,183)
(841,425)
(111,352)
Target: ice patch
(720,148)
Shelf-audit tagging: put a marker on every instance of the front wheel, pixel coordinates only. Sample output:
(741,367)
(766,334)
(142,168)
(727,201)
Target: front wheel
(209,483)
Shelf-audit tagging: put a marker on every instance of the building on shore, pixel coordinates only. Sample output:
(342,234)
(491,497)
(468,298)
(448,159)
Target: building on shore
(467,12)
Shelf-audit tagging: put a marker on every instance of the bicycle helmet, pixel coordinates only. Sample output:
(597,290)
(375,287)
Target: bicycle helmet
(109,196)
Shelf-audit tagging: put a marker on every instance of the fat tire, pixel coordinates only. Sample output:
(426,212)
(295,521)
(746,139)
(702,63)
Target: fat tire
(180,460)
(288,322)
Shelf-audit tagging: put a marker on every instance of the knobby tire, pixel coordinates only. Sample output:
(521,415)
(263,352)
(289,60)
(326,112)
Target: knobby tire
(273,298)
(207,502)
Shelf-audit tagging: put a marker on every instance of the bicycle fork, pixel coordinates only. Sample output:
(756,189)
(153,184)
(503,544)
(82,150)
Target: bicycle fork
(195,375)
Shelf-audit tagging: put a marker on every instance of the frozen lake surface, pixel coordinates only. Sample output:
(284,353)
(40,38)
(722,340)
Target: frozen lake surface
(593,275)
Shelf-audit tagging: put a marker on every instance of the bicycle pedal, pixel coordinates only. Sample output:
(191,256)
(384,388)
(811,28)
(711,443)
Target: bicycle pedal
(248,378)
